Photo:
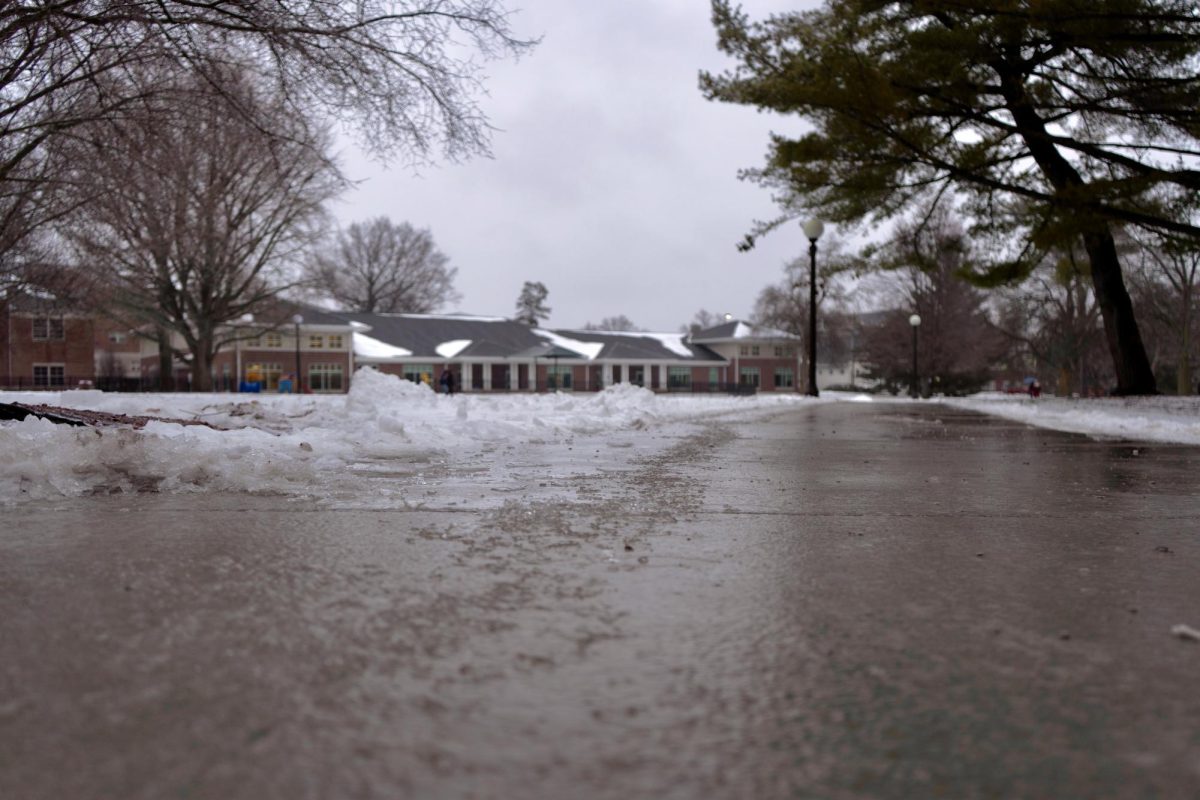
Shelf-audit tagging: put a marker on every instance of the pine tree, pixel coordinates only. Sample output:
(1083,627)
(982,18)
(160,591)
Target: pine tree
(531,305)
(1054,121)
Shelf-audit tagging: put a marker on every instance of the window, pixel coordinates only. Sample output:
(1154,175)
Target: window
(559,377)
(48,329)
(748,376)
(272,340)
(744,350)
(48,375)
(419,373)
(679,377)
(784,378)
(778,351)
(714,376)
(265,375)
(116,337)
(335,341)
(754,350)
(325,377)
(316,342)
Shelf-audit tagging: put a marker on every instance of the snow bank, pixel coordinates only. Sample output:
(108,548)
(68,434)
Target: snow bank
(309,444)
(1156,419)
(320,445)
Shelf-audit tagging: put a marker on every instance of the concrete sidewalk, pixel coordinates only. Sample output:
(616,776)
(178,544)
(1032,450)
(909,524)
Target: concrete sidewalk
(843,601)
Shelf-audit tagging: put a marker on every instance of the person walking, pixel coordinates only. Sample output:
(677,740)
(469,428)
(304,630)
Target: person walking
(447,381)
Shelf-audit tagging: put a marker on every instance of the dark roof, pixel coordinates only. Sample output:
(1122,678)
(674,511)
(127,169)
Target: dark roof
(318,316)
(634,346)
(495,337)
(723,331)
(422,333)
(549,350)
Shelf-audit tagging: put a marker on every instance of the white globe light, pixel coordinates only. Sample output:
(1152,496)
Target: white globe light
(914,320)
(813,229)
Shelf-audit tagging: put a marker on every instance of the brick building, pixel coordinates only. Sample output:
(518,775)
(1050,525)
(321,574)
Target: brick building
(44,345)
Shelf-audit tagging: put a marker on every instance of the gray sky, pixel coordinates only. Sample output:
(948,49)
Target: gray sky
(613,181)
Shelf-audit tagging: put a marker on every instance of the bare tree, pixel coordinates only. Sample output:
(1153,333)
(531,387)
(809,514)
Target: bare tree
(531,304)
(406,73)
(1054,316)
(382,266)
(617,323)
(1166,289)
(198,211)
(702,320)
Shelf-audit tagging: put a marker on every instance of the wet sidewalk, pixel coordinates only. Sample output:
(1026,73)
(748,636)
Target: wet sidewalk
(842,601)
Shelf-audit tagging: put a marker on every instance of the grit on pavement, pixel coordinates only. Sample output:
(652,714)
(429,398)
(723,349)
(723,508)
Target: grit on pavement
(833,601)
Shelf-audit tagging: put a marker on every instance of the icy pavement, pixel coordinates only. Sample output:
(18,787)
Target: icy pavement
(853,601)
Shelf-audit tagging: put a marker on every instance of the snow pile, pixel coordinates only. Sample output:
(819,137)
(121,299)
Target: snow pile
(309,445)
(323,445)
(1156,419)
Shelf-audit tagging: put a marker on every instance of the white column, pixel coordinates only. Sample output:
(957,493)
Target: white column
(487,377)
(466,376)
(647,377)
(533,380)
(606,374)
(512,377)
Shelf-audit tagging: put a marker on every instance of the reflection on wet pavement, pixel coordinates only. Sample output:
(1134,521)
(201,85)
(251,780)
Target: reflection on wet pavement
(838,601)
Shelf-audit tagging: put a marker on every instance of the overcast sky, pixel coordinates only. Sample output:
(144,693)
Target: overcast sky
(613,182)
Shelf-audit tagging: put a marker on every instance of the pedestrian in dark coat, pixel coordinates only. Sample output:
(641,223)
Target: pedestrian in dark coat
(447,381)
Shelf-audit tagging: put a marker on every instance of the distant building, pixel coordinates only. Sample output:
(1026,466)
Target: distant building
(44,345)
(485,354)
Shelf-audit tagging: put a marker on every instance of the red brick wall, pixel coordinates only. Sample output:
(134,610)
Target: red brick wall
(766,372)
(75,351)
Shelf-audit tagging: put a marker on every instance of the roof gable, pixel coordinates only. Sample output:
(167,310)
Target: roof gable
(737,330)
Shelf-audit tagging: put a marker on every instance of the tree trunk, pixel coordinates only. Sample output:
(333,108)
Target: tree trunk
(1134,375)
(202,367)
(1132,367)
(1183,372)
(166,361)
(1064,382)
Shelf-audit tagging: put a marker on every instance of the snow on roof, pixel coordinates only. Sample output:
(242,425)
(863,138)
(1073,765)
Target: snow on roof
(452,348)
(588,350)
(747,331)
(731,331)
(671,341)
(366,347)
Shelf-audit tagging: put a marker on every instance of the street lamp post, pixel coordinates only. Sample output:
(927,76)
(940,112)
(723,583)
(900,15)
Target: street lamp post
(296,320)
(915,322)
(813,229)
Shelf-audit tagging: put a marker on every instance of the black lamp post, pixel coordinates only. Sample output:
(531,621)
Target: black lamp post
(915,322)
(299,387)
(813,230)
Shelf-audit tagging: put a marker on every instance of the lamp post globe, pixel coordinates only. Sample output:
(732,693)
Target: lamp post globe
(297,320)
(915,322)
(813,229)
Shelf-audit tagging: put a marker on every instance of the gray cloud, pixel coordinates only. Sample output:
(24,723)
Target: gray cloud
(613,182)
